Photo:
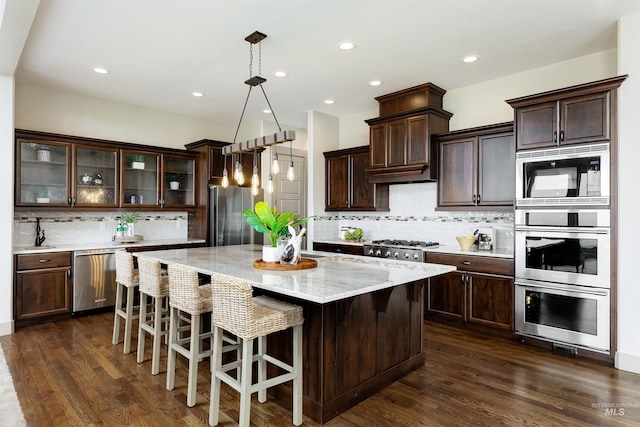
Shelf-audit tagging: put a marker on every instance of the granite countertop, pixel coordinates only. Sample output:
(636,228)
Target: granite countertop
(102,245)
(336,277)
(448,249)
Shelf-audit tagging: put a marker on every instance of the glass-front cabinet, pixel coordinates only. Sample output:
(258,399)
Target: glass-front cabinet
(140,173)
(96,176)
(43,174)
(178,181)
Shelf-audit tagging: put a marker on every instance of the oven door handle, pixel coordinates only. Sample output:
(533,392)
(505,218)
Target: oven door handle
(563,229)
(555,288)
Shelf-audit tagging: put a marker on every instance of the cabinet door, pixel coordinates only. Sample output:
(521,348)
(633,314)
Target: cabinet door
(537,126)
(178,181)
(95,176)
(418,140)
(496,170)
(394,326)
(445,294)
(42,174)
(378,145)
(337,184)
(42,293)
(457,172)
(140,178)
(362,191)
(585,119)
(490,300)
(397,143)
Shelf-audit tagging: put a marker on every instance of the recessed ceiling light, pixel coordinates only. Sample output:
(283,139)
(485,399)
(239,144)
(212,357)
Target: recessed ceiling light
(197,94)
(375,83)
(470,58)
(280,74)
(329,101)
(346,45)
(101,70)
(266,111)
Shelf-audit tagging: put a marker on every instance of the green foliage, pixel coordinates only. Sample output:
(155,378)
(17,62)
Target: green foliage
(271,222)
(353,235)
(130,218)
(175,177)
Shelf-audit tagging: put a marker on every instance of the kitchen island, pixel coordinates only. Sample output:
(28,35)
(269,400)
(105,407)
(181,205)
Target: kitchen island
(363,319)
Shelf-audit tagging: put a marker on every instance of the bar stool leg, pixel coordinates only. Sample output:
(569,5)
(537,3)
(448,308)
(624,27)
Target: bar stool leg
(171,357)
(245,385)
(141,320)
(194,349)
(297,381)
(128,323)
(216,362)
(116,317)
(262,367)
(157,335)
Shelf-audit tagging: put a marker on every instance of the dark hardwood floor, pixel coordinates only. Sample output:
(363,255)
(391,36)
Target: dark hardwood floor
(67,373)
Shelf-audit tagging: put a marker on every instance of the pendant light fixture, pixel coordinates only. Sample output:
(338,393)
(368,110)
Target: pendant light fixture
(270,186)
(291,172)
(266,141)
(225,177)
(255,179)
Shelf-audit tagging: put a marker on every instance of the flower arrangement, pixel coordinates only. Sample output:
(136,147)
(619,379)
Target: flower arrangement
(270,221)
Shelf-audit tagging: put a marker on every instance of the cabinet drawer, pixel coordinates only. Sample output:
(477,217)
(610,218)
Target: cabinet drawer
(343,249)
(480,264)
(43,260)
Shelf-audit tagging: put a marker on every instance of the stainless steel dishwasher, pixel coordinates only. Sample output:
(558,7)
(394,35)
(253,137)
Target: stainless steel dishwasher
(94,276)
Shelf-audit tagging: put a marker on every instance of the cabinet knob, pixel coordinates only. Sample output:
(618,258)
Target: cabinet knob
(561,135)
(555,137)
(478,199)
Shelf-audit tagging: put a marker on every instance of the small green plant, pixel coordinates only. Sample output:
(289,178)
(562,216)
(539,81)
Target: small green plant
(175,177)
(41,192)
(272,222)
(130,218)
(137,158)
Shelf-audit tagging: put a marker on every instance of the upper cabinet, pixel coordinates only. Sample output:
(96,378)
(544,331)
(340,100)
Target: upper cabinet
(347,183)
(476,167)
(574,115)
(56,171)
(399,140)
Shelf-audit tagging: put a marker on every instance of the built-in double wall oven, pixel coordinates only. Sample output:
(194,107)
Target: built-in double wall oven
(563,246)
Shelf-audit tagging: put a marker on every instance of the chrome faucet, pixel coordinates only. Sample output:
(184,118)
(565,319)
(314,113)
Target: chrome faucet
(39,233)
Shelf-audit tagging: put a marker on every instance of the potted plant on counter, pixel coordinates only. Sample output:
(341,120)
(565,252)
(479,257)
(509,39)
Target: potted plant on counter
(129,219)
(273,224)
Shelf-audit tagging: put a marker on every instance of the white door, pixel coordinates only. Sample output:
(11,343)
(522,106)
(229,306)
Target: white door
(290,196)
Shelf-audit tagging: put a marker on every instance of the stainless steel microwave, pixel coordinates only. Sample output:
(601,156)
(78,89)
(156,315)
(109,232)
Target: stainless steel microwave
(569,176)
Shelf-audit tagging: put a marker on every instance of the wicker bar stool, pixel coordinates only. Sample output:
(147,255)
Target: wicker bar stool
(187,297)
(152,284)
(237,312)
(126,279)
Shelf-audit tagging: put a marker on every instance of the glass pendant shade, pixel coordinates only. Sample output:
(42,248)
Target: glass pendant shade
(275,164)
(255,179)
(291,172)
(270,186)
(238,175)
(255,190)
(225,178)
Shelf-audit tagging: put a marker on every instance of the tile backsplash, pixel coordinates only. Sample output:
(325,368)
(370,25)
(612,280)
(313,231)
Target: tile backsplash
(412,216)
(94,227)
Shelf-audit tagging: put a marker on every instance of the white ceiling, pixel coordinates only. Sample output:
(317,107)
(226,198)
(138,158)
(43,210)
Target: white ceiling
(159,51)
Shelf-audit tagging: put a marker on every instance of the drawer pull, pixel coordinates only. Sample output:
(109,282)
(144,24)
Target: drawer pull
(44,260)
(465,262)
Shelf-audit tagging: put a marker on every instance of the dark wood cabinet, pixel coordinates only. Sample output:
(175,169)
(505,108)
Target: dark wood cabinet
(400,139)
(62,172)
(42,288)
(476,167)
(347,183)
(574,115)
(480,292)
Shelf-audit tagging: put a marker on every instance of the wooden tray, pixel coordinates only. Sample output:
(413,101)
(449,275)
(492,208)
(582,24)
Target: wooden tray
(130,239)
(303,264)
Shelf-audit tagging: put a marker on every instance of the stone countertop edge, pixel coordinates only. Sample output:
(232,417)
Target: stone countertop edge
(337,276)
(102,245)
(447,249)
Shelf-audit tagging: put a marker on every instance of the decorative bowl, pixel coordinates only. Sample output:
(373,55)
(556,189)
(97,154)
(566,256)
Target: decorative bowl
(466,242)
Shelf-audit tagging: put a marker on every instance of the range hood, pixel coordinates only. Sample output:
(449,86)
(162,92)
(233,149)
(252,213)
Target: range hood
(400,147)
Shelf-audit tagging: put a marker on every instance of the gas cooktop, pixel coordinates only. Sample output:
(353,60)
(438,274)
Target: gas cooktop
(404,243)
(408,250)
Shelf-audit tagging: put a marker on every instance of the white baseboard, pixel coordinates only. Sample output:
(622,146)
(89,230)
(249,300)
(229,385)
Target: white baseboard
(628,362)
(6,328)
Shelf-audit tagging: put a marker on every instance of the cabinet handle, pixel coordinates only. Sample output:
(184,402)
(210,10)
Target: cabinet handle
(42,261)
(465,262)
(478,199)
(555,137)
(474,199)
(561,135)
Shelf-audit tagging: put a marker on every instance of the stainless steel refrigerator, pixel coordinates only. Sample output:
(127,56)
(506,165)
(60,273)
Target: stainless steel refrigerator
(227,224)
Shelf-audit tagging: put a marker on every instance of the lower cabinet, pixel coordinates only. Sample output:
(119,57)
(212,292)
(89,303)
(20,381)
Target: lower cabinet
(42,287)
(338,248)
(479,292)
